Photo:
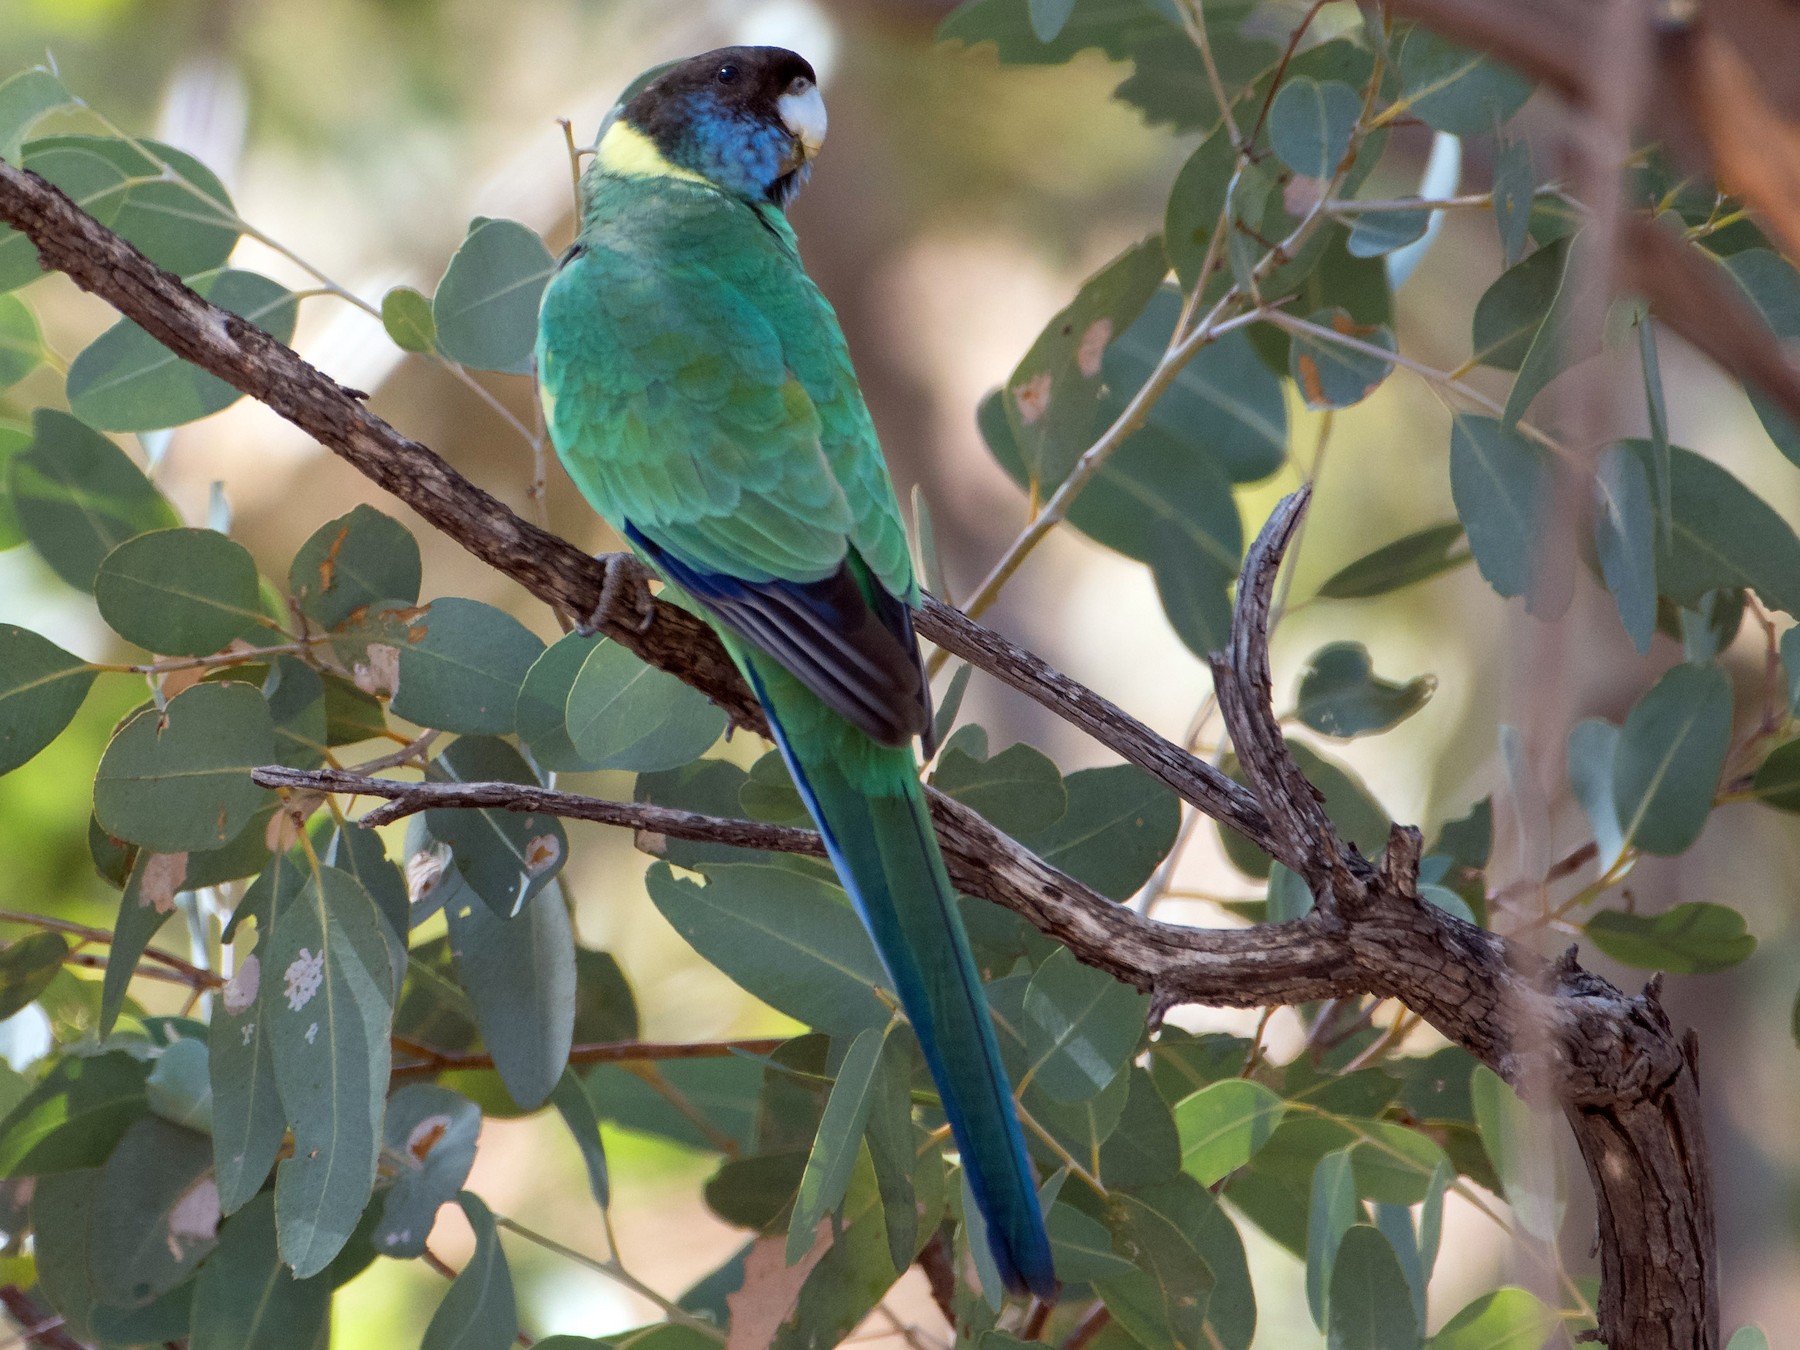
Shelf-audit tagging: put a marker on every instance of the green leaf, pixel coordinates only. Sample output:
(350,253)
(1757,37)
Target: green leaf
(159,198)
(1330,374)
(1454,89)
(478,1313)
(1377,233)
(27,967)
(486,306)
(42,687)
(25,99)
(1310,125)
(507,857)
(429,1142)
(1163,1300)
(520,974)
(179,781)
(787,936)
(1371,1306)
(1512,310)
(573,1104)
(406,314)
(1193,588)
(329,1024)
(1723,536)
(1018,790)
(1081,1247)
(296,697)
(1089,1025)
(625,714)
(1690,939)
(1625,539)
(248,1122)
(1052,395)
(1777,782)
(1514,189)
(1515,1138)
(354,561)
(1501,484)
(125,380)
(155,1213)
(1223,1125)
(1744,1338)
(246,1299)
(74,1116)
(21,345)
(77,497)
(1340,695)
(834,1150)
(1412,558)
(1120,825)
(1393,1164)
(1670,754)
(1773,287)
(1505,1319)
(179,1089)
(139,920)
(464,674)
(62,1209)
(179,592)
(542,712)
(1334,1210)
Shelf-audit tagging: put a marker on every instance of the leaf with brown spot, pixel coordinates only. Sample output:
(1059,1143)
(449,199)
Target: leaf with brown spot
(771,1289)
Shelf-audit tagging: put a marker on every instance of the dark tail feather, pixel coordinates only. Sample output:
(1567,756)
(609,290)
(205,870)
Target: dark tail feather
(885,851)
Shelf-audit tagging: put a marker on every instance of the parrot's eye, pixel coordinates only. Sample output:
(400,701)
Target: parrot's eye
(800,85)
(727,75)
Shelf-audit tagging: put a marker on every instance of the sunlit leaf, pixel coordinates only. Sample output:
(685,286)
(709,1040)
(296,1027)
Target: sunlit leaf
(1087,1025)
(406,314)
(26,99)
(1223,1125)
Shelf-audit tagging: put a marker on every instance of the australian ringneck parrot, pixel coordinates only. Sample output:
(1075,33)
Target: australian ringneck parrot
(700,393)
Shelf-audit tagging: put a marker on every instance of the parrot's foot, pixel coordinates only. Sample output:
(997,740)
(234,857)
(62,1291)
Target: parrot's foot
(624,598)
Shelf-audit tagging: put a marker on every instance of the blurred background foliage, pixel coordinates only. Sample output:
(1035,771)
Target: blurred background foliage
(958,206)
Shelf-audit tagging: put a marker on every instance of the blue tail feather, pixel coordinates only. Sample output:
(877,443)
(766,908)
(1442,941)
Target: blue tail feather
(884,850)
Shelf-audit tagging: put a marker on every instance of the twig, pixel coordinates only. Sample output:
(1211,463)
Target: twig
(433,1061)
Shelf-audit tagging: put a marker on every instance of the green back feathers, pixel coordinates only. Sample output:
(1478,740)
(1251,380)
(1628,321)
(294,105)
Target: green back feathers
(697,385)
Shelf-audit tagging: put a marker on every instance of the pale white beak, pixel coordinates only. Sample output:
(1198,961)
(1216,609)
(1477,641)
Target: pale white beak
(802,109)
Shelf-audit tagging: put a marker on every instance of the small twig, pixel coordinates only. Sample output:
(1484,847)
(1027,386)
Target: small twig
(1090,1326)
(434,1061)
(185,972)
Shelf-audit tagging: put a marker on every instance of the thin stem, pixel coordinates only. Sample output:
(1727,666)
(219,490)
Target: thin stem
(1287,55)
(1193,18)
(239,656)
(613,1270)
(189,973)
(600,1052)
(1096,455)
(1353,206)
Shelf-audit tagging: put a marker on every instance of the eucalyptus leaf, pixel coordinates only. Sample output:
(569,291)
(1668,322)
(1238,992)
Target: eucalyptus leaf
(486,306)
(1087,1025)
(1690,939)
(479,1312)
(179,780)
(42,687)
(1503,1319)
(1514,1136)
(834,1151)
(1223,1125)
(625,714)
(406,315)
(1412,558)
(506,857)
(247,1299)
(25,99)
(329,1024)
(429,1142)
(1018,790)
(463,673)
(1119,826)
(1501,484)
(1625,539)
(1671,751)
(354,561)
(572,1103)
(179,592)
(1340,694)
(77,496)
(542,712)
(1454,89)
(1310,124)
(1371,1307)
(520,975)
(21,344)
(1334,1210)
(1378,233)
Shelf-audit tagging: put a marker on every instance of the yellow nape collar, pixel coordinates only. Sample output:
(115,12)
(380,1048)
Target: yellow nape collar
(629,153)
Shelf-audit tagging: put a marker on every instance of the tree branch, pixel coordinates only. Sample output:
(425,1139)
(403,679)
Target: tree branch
(1612,1061)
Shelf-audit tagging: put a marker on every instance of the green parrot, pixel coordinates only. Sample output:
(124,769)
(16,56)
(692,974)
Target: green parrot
(700,393)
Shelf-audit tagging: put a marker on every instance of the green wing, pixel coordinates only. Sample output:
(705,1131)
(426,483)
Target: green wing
(698,386)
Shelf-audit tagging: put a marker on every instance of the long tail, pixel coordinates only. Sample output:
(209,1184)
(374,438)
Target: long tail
(884,850)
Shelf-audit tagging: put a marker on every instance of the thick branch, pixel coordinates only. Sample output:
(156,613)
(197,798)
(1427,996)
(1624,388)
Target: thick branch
(1611,1060)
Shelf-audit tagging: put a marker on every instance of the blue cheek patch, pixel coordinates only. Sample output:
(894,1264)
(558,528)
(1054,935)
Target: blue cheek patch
(738,153)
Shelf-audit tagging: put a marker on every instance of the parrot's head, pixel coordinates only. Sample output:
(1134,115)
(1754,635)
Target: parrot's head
(746,119)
